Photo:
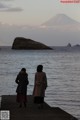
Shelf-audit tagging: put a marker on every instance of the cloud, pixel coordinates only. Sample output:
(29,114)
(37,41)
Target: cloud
(8,8)
(2,6)
(6,0)
(14,9)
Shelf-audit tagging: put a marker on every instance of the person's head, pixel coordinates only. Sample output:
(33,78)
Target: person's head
(39,68)
(23,70)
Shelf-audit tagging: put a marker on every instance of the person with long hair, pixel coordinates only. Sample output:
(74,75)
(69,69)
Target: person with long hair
(40,85)
(22,81)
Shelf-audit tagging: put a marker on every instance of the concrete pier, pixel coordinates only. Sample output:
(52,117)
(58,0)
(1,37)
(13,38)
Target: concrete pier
(32,112)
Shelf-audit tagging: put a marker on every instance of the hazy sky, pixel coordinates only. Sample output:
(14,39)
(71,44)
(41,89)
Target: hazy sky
(35,12)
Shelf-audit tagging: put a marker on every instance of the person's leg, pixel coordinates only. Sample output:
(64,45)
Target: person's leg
(25,100)
(41,102)
(20,105)
(25,104)
(20,100)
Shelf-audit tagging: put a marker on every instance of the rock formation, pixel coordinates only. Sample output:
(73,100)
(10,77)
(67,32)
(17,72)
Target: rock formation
(69,45)
(28,44)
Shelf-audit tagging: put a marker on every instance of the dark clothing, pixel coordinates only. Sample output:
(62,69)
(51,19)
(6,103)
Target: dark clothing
(38,100)
(22,81)
(21,98)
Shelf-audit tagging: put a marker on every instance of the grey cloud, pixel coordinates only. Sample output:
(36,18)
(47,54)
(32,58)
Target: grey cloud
(6,0)
(3,6)
(7,8)
(15,9)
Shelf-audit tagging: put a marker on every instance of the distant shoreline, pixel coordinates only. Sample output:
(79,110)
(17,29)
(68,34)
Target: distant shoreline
(54,48)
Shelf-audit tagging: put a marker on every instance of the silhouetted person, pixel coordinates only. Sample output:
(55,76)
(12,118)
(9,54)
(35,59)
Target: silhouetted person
(22,81)
(40,86)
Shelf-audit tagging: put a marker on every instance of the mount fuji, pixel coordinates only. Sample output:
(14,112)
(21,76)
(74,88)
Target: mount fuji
(60,19)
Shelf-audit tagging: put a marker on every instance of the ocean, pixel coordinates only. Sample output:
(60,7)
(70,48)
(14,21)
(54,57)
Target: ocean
(62,69)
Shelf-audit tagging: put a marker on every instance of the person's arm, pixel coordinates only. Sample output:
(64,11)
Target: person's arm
(17,79)
(27,81)
(34,85)
(45,78)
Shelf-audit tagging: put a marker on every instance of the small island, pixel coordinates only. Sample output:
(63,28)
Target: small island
(20,43)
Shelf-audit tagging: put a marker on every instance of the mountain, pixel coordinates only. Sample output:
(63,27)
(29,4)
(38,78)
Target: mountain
(60,19)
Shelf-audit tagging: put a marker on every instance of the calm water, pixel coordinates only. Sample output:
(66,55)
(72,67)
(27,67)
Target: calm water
(62,69)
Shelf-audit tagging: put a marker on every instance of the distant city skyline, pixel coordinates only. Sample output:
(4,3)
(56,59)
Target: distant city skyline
(35,12)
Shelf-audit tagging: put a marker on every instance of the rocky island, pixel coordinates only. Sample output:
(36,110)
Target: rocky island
(20,43)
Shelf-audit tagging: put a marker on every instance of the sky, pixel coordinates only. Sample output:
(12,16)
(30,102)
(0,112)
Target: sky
(35,12)
(22,18)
